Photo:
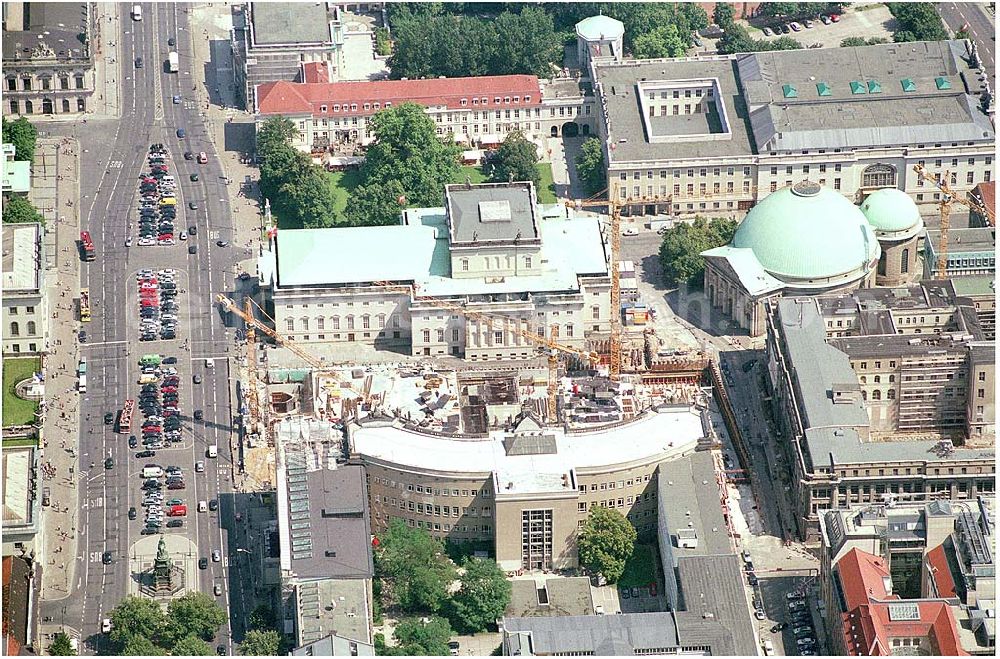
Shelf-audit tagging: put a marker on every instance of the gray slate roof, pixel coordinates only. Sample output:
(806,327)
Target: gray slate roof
(290,23)
(616,635)
(498,212)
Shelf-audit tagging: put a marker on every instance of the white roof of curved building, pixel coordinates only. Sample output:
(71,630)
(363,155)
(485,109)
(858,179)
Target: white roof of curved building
(659,436)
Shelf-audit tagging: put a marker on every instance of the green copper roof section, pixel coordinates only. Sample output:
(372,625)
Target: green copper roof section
(823,89)
(942,83)
(807,232)
(891,210)
(858,87)
(789,91)
(874,87)
(908,85)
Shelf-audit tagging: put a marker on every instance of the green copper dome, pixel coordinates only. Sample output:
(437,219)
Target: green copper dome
(603,28)
(808,232)
(890,210)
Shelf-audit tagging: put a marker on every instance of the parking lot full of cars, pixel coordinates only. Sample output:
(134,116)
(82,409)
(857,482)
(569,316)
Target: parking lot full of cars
(157,200)
(780,29)
(157,305)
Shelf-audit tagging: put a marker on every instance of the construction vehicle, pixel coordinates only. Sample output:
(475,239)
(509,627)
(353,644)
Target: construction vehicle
(948,197)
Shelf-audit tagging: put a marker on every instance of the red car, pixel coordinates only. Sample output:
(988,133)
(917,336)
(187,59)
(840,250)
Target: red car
(168,390)
(835,18)
(150,303)
(175,486)
(152,429)
(149,295)
(169,412)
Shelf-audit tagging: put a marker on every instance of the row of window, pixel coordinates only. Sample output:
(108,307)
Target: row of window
(349,323)
(376,105)
(620,502)
(436,510)
(13,311)
(15,328)
(676,93)
(676,173)
(484,492)
(48,106)
(437,526)
(45,83)
(610,485)
(16,347)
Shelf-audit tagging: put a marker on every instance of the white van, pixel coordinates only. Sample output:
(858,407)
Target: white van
(768,648)
(136,13)
(209,363)
(202,506)
(152,472)
(81,386)
(213,451)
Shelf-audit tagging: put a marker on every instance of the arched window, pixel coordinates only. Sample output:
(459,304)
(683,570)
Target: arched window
(381,321)
(878,379)
(290,324)
(305,324)
(864,379)
(366,322)
(877,395)
(891,394)
(864,395)
(321,323)
(15,329)
(335,322)
(350,322)
(904,260)
(31,327)
(892,378)
(878,176)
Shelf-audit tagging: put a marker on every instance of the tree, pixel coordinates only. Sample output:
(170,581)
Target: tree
(18,210)
(683,244)
(736,40)
(606,542)
(383,46)
(515,160)
(850,42)
(724,15)
(193,614)
(917,21)
(136,617)
(376,205)
(140,646)
(418,638)
(781,43)
(664,41)
(22,134)
(483,596)
(407,150)
(193,646)
(413,568)
(590,166)
(311,199)
(275,134)
(61,645)
(262,617)
(527,43)
(261,643)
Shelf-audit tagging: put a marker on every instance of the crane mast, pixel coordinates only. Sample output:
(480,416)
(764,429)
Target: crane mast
(948,197)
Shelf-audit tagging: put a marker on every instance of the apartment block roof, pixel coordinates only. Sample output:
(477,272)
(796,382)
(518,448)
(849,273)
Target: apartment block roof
(563,596)
(974,240)
(626,634)
(21,267)
(832,98)
(872,615)
(366,98)
(45,31)
(290,23)
(491,213)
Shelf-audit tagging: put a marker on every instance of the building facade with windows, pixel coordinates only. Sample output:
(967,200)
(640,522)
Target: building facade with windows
(25,316)
(888,392)
(48,66)
(478,111)
(492,250)
(717,134)
(484,487)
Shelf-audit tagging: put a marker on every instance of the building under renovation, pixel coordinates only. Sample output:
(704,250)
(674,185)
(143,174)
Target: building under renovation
(412,287)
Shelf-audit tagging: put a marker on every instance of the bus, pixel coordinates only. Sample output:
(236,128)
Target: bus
(85,305)
(125,420)
(87,243)
(173,61)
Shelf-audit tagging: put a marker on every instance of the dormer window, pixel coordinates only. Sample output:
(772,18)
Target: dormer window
(517,99)
(354,106)
(368,106)
(527,99)
(506,99)
(496,99)
(484,100)
(336,108)
(464,102)
(377,106)
(388,104)
(475,101)
(322,108)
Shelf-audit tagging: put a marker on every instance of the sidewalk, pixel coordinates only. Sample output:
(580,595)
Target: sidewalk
(107,61)
(56,175)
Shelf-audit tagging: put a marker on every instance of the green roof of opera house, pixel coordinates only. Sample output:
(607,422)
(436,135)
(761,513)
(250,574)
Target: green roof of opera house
(890,210)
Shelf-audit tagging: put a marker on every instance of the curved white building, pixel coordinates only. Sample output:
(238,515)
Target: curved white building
(541,480)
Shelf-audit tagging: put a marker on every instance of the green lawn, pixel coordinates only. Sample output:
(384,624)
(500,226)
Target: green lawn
(546,187)
(17,411)
(341,186)
(640,570)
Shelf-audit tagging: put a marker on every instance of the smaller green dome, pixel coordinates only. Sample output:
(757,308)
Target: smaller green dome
(890,210)
(603,28)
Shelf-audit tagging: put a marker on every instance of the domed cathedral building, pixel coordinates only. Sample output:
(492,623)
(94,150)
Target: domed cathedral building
(804,239)
(897,224)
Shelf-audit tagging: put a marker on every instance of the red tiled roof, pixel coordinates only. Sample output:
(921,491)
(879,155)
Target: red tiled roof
(987,193)
(284,97)
(867,627)
(315,72)
(941,572)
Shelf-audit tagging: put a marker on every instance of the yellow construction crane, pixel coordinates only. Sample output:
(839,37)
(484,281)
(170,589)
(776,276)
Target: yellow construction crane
(948,197)
(615,205)
(555,348)
(251,321)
